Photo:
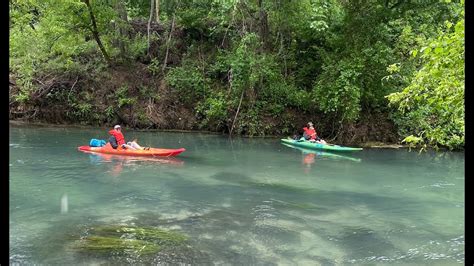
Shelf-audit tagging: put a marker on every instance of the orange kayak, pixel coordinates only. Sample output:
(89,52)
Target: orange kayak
(119,151)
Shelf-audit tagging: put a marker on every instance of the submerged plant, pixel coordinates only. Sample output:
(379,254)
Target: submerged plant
(117,245)
(143,233)
(129,239)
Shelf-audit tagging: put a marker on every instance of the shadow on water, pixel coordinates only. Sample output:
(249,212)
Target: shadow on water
(304,199)
(360,243)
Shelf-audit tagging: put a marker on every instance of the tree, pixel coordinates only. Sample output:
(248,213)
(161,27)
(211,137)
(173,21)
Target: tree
(95,32)
(430,110)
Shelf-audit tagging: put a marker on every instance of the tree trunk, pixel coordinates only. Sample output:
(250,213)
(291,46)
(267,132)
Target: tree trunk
(263,25)
(121,26)
(152,3)
(237,113)
(168,44)
(95,33)
(157,7)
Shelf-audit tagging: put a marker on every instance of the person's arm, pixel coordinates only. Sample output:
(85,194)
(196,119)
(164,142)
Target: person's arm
(113,142)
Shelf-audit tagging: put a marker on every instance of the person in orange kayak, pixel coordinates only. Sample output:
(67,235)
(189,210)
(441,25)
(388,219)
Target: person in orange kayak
(309,133)
(118,140)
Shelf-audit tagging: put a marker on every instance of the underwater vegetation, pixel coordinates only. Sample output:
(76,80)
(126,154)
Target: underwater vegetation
(117,239)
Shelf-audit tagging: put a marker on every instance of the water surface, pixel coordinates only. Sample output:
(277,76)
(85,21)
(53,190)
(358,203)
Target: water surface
(238,201)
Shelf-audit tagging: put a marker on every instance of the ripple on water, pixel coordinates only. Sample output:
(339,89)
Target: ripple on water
(436,251)
(439,185)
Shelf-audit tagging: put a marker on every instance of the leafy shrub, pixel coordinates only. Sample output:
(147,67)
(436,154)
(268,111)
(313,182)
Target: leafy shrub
(122,97)
(154,66)
(338,90)
(190,83)
(213,110)
(432,105)
(138,46)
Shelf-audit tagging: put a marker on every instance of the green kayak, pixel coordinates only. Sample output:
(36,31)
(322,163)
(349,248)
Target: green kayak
(318,146)
(325,154)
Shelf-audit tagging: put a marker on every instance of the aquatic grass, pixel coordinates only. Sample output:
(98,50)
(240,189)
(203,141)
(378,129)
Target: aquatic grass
(143,233)
(113,244)
(138,240)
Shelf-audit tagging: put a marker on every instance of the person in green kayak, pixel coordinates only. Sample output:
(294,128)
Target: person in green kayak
(309,133)
(117,140)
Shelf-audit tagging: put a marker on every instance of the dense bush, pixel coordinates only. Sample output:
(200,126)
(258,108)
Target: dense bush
(430,110)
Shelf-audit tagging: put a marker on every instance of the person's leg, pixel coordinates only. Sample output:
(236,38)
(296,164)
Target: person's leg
(129,146)
(135,145)
(320,140)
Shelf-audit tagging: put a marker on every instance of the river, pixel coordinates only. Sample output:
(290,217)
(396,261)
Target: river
(233,201)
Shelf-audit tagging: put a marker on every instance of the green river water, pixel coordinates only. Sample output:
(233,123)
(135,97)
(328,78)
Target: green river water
(234,201)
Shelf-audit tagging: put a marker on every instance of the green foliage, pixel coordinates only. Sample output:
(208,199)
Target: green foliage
(110,112)
(213,111)
(148,92)
(123,99)
(196,14)
(137,46)
(254,72)
(432,105)
(338,90)
(154,66)
(57,33)
(242,63)
(189,83)
(250,123)
(82,110)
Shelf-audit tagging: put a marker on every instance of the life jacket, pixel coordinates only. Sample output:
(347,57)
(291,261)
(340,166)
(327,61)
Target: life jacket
(309,133)
(118,136)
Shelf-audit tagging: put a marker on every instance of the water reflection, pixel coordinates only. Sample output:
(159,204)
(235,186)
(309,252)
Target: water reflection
(309,156)
(117,162)
(308,160)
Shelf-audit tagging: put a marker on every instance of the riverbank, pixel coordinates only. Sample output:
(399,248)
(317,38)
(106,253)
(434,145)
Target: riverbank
(369,144)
